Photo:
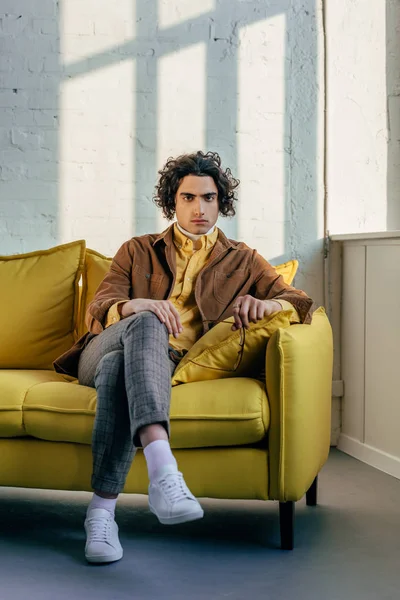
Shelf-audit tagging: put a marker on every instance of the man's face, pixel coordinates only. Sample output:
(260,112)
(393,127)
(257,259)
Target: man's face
(196,204)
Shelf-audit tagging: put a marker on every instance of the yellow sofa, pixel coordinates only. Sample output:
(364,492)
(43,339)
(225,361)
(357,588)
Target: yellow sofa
(234,438)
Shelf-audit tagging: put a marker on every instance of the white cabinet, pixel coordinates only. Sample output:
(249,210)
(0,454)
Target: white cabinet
(370,346)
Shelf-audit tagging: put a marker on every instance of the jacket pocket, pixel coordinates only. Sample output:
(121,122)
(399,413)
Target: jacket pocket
(144,283)
(227,286)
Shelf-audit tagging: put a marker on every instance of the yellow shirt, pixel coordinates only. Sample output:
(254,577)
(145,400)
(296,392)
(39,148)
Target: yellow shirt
(191,257)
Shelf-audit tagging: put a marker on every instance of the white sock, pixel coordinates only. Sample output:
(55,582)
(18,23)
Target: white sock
(105,503)
(158,454)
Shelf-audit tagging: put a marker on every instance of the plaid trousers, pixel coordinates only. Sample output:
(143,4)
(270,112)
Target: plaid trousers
(130,365)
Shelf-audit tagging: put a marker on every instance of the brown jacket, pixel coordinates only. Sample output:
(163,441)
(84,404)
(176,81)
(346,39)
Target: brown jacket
(144,267)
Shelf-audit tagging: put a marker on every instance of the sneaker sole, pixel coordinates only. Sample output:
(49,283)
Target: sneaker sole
(185,518)
(105,559)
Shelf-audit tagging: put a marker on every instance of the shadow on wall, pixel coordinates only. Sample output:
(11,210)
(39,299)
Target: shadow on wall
(393,94)
(261,125)
(169,119)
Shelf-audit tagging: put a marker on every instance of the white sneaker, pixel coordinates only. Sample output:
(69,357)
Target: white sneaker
(102,543)
(171,500)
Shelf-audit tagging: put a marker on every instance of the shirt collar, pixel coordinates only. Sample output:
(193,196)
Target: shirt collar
(167,237)
(182,237)
(193,236)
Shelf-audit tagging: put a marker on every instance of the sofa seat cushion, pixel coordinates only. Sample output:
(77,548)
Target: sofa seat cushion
(14,387)
(230,412)
(203,414)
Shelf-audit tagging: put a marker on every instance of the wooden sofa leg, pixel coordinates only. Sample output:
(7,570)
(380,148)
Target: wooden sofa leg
(311,494)
(286,520)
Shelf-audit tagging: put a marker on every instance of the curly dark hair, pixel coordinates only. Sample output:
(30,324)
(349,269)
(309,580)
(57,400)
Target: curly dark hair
(202,165)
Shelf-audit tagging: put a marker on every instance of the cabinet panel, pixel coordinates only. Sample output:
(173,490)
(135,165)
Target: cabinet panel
(382,352)
(352,340)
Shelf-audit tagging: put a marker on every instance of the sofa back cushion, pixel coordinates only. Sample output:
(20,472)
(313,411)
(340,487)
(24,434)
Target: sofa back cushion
(96,268)
(288,270)
(39,305)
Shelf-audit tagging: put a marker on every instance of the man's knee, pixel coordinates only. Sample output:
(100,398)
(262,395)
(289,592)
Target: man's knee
(112,362)
(146,319)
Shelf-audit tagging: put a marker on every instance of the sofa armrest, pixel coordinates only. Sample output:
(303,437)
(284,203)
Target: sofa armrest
(299,363)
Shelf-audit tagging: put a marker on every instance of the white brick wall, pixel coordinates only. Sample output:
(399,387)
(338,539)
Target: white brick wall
(94,96)
(363,134)
(28,125)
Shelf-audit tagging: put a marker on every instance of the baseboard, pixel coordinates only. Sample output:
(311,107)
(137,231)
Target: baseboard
(375,458)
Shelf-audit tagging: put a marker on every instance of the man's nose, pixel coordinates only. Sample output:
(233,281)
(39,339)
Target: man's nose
(199,208)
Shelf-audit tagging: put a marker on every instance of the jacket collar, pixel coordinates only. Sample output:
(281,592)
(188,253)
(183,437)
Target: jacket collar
(221,244)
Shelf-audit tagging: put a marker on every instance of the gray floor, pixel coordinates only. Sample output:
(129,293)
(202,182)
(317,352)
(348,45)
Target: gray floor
(347,548)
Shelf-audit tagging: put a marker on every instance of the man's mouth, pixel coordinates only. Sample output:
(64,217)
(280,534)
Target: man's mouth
(199,221)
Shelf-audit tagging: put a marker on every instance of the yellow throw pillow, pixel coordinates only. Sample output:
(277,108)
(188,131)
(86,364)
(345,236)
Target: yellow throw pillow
(39,305)
(222,353)
(96,267)
(287,270)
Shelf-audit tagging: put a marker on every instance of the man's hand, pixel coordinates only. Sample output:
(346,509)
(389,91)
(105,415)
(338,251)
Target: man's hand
(248,309)
(163,309)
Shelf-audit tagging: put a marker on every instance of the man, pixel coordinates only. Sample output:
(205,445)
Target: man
(161,294)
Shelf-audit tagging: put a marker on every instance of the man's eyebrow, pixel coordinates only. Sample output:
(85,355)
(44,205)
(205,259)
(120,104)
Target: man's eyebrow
(190,194)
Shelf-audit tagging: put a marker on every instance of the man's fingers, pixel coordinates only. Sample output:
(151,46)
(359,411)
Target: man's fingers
(169,321)
(244,311)
(158,312)
(167,314)
(248,309)
(236,309)
(176,325)
(238,321)
(164,318)
(253,311)
(174,319)
(175,313)
(179,327)
(261,310)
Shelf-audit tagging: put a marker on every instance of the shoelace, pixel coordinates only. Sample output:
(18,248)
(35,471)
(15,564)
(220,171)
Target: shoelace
(98,529)
(174,487)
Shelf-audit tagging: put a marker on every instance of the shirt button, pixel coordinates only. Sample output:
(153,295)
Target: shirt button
(147,275)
